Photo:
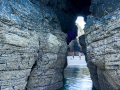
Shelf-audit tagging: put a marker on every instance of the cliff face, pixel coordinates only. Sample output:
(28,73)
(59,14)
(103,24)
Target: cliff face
(102,41)
(32,46)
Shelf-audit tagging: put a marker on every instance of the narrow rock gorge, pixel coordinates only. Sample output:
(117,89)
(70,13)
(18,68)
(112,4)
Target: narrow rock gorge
(33,42)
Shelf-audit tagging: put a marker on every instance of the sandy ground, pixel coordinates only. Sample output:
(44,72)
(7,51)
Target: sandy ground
(76,60)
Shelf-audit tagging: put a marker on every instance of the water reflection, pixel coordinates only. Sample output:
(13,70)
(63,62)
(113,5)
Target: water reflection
(76,78)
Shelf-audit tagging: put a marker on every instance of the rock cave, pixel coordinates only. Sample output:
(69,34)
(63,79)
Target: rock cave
(34,38)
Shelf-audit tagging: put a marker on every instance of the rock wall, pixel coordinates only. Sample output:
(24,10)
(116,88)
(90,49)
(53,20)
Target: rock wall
(103,50)
(73,46)
(32,46)
(102,44)
(100,8)
(82,42)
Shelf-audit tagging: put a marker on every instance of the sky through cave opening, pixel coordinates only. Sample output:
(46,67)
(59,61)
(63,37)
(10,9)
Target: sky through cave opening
(74,45)
(80,21)
(76,74)
(77,30)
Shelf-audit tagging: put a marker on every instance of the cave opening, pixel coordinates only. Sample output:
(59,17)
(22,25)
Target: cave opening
(73,38)
(80,21)
(76,73)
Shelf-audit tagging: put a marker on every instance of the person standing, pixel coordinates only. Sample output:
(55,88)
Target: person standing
(73,55)
(80,55)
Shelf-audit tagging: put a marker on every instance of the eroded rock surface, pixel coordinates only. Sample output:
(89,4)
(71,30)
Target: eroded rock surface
(100,8)
(32,46)
(103,43)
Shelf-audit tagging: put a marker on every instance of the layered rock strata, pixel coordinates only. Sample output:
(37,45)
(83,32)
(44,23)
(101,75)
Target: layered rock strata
(100,8)
(103,49)
(32,46)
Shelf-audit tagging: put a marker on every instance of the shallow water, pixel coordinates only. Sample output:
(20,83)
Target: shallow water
(77,78)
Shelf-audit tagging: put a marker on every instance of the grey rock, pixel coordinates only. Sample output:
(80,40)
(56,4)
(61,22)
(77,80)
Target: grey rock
(31,46)
(102,47)
(100,8)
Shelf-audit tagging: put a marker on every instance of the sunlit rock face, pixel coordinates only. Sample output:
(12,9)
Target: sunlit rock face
(103,43)
(32,46)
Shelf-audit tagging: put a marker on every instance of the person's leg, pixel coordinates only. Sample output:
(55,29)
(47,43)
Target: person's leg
(80,57)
